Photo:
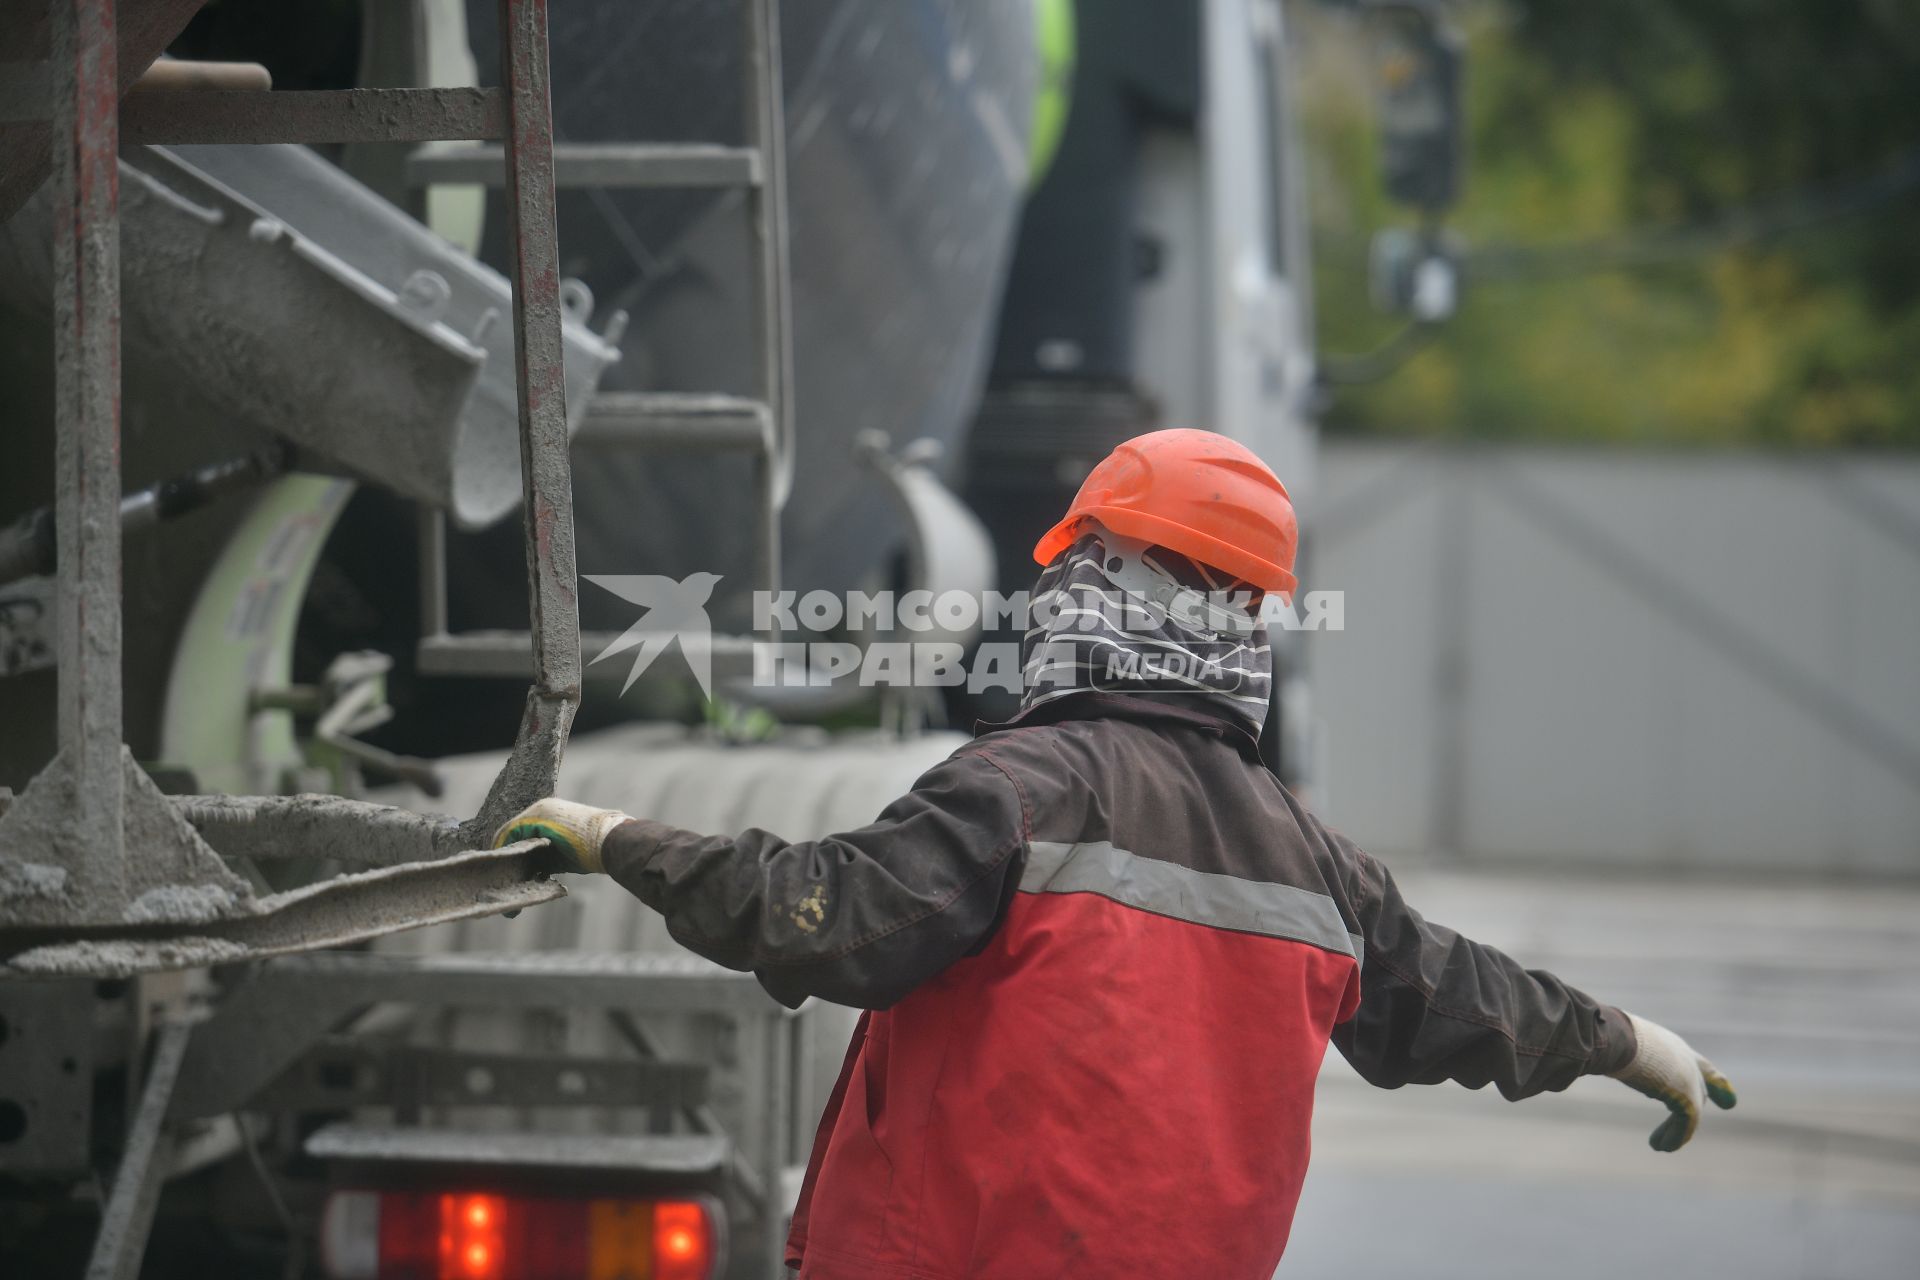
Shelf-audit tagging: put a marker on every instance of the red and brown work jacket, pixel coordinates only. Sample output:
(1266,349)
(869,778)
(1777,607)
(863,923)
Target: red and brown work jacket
(1104,952)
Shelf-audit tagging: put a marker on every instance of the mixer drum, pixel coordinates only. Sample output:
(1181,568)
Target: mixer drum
(906,127)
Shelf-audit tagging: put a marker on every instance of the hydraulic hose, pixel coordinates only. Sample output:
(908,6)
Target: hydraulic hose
(27,547)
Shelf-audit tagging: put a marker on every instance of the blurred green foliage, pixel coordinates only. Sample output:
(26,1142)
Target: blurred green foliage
(1783,139)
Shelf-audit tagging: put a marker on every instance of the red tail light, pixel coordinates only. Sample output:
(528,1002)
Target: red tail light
(413,1235)
(473,1242)
(682,1245)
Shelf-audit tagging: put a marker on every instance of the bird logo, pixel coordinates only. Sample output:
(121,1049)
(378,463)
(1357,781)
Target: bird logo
(676,609)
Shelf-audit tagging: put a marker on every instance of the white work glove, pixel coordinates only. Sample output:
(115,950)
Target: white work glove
(576,830)
(1667,1068)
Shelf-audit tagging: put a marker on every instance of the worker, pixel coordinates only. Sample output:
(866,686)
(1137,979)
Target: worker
(1101,948)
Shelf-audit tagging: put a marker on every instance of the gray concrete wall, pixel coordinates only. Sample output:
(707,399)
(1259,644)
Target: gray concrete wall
(1665,659)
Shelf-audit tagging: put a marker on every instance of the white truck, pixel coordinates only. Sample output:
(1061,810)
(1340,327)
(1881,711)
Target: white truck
(1004,235)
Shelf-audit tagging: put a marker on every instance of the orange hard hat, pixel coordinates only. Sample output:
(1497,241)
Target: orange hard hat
(1195,492)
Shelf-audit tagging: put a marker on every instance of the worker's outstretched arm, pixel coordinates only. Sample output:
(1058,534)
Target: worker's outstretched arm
(1436,1006)
(859,919)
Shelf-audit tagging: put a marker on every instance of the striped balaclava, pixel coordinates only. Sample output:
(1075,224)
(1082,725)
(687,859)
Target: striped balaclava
(1118,616)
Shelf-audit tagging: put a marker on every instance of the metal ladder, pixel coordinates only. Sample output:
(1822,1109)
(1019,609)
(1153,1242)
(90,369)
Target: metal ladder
(661,422)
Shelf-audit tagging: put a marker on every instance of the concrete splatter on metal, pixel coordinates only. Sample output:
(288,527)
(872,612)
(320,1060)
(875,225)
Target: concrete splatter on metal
(179,904)
(38,831)
(314,116)
(86,257)
(532,771)
(28,880)
(107,958)
(332,913)
(354,832)
(259,272)
(546,471)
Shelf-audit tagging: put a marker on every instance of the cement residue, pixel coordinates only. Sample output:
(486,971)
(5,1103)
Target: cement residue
(180,904)
(168,855)
(30,880)
(74,879)
(354,832)
(120,958)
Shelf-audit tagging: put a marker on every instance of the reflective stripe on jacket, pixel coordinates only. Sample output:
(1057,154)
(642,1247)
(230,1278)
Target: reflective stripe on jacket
(1105,952)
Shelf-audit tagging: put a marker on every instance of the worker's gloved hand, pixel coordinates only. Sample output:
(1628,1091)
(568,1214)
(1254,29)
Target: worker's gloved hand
(576,830)
(1667,1068)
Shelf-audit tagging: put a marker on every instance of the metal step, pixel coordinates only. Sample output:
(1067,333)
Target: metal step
(677,421)
(510,653)
(596,164)
(679,1154)
(672,982)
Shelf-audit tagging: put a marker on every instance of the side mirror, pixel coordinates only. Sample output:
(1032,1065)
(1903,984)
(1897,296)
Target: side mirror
(1419,60)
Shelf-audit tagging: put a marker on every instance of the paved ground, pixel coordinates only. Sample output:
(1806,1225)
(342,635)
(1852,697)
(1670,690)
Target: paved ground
(1808,996)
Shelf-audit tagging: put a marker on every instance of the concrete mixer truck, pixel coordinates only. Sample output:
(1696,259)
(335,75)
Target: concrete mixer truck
(359,357)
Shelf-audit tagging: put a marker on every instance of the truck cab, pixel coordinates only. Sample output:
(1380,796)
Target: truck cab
(1161,278)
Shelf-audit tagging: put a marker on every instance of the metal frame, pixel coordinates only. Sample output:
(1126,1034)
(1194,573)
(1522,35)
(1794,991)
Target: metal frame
(267,1046)
(47,1057)
(336,912)
(250,1051)
(546,470)
(78,907)
(773,317)
(192,116)
(128,1214)
(81,888)
(762,428)
(86,268)
(266,1020)
(599,164)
